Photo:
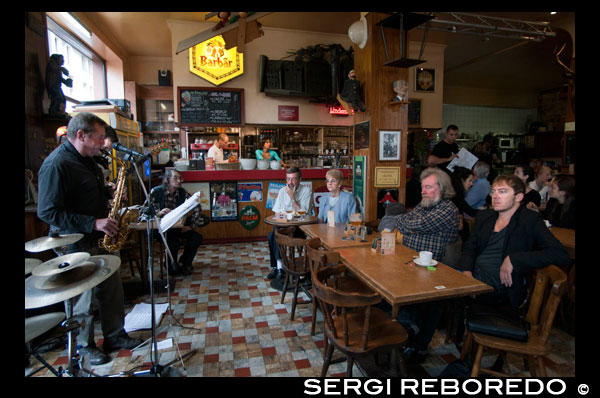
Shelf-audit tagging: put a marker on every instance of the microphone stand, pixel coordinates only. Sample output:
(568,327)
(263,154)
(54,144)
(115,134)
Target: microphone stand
(156,370)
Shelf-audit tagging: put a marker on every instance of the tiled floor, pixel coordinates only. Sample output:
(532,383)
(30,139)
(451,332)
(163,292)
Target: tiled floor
(227,312)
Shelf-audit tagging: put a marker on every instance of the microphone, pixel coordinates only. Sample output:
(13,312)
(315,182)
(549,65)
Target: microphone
(118,147)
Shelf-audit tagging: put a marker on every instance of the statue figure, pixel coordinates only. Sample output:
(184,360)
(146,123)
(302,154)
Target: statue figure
(351,92)
(401,90)
(54,82)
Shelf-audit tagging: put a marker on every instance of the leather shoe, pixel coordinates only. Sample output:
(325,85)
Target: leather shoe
(95,356)
(412,356)
(120,342)
(275,272)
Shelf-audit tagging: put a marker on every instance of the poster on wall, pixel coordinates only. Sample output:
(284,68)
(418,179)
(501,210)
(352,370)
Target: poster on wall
(223,201)
(359,180)
(250,192)
(204,188)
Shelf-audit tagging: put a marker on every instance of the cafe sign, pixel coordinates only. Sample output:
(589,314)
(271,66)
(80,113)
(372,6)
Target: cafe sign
(211,61)
(249,217)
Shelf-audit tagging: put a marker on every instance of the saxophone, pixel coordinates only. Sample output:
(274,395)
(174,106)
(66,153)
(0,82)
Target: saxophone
(114,243)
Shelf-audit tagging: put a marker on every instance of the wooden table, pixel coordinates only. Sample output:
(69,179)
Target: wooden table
(566,236)
(400,283)
(331,238)
(293,222)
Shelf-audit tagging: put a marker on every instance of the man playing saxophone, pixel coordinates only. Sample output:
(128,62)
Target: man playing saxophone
(74,199)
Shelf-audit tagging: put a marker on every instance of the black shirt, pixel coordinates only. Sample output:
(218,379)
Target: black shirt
(444,150)
(72,194)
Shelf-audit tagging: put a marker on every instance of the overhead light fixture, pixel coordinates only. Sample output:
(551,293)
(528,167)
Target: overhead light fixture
(552,12)
(75,24)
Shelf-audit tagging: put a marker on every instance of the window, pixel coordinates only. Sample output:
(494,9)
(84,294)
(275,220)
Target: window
(83,65)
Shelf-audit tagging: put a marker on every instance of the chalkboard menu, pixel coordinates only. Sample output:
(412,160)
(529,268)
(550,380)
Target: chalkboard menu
(208,106)
(414,112)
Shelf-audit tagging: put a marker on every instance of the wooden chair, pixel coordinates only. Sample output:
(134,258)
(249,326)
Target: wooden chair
(373,224)
(293,262)
(130,252)
(549,287)
(318,257)
(352,325)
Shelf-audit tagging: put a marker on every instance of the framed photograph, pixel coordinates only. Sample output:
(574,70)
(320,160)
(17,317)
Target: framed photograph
(389,145)
(361,135)
(425,80)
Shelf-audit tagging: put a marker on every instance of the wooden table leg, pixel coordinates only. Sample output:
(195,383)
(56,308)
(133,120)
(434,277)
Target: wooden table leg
(395,311)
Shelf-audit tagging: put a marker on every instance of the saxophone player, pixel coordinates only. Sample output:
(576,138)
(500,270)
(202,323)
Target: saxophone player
(73,198)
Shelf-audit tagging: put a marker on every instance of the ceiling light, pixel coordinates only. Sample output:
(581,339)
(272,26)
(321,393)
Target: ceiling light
(552,12)
(74,24)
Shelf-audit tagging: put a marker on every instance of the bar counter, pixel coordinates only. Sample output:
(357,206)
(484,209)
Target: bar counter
(232,231)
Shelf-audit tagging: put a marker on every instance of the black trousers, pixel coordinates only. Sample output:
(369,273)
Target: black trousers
(174,238)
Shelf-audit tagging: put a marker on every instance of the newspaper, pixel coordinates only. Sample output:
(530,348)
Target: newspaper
(465,159)
(176,214)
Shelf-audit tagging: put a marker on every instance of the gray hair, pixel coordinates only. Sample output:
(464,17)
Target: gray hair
(481,169)
(168,174)
(294,170)
(335,174)
(85,121)
(443,181)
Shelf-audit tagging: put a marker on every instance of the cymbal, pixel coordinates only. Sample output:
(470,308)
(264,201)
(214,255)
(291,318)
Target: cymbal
(30,264)
(60,264)
(38,325)
(41,291)
(51,242)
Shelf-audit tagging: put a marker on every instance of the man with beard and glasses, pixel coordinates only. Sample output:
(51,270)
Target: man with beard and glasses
(433,223)
(431,226)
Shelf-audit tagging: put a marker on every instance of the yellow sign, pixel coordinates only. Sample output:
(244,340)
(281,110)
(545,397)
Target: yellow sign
(211,61)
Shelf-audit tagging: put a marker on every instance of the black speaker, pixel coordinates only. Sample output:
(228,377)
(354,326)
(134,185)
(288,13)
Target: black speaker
(164,77)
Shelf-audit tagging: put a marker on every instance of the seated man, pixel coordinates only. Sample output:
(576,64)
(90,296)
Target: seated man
(166,197)
(477,195)
(431,226)
(507,243)
(292,197)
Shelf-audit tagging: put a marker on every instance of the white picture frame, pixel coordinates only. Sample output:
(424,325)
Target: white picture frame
(389,145)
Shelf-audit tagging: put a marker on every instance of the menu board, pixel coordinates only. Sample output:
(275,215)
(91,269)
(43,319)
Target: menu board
(209,106)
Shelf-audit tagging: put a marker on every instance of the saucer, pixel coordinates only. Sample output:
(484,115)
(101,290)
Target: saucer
(418,262)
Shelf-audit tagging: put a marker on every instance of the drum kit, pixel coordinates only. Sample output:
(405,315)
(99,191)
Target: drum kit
(61,279)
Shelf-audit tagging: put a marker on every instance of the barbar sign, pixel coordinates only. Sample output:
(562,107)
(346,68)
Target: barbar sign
(211,61)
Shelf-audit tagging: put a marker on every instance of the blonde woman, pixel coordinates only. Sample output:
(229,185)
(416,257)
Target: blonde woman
(342,203)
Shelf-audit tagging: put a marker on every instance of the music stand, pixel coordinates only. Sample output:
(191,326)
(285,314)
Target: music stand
(156,370)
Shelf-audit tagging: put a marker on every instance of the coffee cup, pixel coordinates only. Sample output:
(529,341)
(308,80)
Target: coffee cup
(425,257)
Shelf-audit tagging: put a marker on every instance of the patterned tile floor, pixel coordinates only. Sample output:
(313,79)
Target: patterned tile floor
(227,312)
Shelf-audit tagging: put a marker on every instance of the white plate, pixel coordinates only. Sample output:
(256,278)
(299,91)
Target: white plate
(418,262)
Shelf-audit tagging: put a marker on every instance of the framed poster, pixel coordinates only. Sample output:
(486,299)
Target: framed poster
(389,145)
(387,176)
(425,80)
(361,135)
(250,192)
(359,180)
(223,201)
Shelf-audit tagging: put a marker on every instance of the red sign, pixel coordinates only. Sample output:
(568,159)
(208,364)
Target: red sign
(287,113)
(338,110)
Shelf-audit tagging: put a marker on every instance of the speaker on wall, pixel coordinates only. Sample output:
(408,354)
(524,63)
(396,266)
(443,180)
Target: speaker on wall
(164,77)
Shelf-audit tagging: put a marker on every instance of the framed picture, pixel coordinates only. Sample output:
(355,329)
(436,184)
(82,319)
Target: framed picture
(361,135)
(224,201)
(389,145)
(425,80)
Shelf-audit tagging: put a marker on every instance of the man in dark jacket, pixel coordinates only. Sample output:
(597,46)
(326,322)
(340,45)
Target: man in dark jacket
(507,243)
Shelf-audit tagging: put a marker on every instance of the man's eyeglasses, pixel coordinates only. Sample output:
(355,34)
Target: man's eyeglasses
(177,178)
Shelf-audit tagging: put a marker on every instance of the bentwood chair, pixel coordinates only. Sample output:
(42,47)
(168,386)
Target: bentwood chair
(352,325)
(545,299)
(293,262)
(319,257)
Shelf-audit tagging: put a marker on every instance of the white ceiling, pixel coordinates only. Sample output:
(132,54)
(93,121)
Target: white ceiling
(531,65)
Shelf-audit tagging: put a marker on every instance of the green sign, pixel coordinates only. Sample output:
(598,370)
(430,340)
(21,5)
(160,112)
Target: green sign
(359,179)
(249,217)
